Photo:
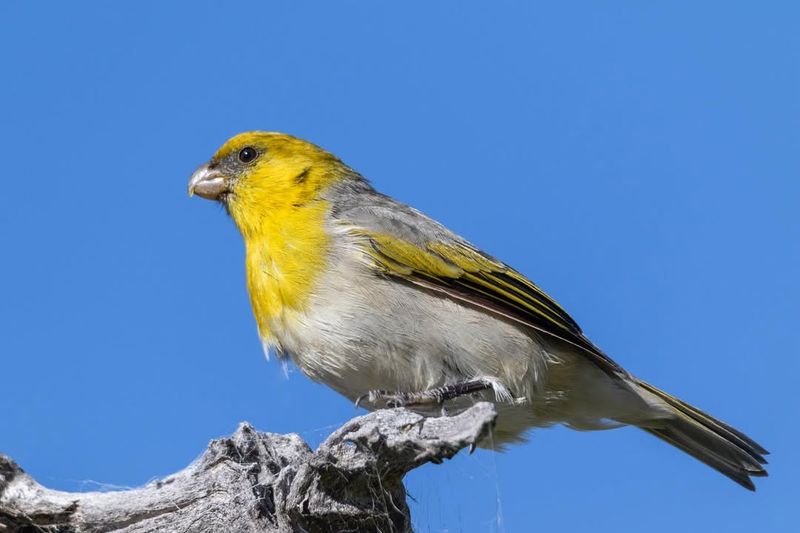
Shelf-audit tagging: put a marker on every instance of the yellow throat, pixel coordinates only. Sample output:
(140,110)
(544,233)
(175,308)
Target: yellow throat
(285,256)
(273,185)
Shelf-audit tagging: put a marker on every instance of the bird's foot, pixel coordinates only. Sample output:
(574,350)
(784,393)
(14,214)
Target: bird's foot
(386,399)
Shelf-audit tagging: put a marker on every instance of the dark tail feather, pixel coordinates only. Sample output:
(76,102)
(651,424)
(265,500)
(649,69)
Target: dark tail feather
(715,443)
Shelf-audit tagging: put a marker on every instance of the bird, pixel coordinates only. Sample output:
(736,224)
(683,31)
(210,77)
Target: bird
(389,308)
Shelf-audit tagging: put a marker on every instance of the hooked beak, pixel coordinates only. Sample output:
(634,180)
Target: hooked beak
(207,183)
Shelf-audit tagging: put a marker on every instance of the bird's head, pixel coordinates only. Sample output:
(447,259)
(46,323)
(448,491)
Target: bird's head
(258,173)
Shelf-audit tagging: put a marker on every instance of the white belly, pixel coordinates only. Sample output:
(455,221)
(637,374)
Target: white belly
(357,336)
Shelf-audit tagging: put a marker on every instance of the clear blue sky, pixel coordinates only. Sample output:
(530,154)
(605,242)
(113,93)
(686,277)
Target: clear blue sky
(640,160)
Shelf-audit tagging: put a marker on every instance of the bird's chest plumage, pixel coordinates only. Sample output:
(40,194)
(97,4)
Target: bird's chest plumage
(284,263)
(361,331)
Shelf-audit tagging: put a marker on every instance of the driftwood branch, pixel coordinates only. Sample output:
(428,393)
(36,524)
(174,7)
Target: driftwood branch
(255,482)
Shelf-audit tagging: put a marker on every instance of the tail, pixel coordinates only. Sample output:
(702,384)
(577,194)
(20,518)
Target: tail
(702,436)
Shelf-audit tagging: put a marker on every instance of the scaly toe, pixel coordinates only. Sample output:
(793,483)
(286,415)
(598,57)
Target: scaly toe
(395,401)
(375,396)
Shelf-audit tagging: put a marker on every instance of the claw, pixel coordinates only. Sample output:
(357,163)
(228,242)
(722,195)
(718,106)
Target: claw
(391,399)
(360,399)
(370,396)
(471,448)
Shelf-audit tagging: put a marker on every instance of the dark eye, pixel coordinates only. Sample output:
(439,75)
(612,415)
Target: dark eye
(247,154)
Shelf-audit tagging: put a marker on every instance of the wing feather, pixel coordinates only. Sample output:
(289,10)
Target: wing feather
(460,271)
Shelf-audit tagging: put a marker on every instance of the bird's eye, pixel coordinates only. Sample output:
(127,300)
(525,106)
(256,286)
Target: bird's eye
(247,154)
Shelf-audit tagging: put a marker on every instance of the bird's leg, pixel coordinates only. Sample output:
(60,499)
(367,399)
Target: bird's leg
(435,396)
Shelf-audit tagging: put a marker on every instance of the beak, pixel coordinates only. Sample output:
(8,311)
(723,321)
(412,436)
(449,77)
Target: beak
(207,183)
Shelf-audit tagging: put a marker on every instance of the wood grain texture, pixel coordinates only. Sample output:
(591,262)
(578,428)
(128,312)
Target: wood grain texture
(255,482)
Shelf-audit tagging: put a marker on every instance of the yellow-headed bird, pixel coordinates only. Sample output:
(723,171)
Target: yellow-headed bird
(390,308)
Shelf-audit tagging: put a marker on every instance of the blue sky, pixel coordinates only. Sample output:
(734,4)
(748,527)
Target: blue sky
(639,160)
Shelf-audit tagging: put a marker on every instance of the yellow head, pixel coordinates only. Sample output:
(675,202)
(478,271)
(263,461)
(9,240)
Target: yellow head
(257,174)
(272,184)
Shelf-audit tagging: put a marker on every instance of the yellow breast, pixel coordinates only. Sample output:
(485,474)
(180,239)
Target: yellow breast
(285,258)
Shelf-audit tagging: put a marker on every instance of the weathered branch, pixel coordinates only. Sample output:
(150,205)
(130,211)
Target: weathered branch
(255,482)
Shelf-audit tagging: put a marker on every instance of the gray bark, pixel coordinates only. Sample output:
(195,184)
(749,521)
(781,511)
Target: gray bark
(256,482)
